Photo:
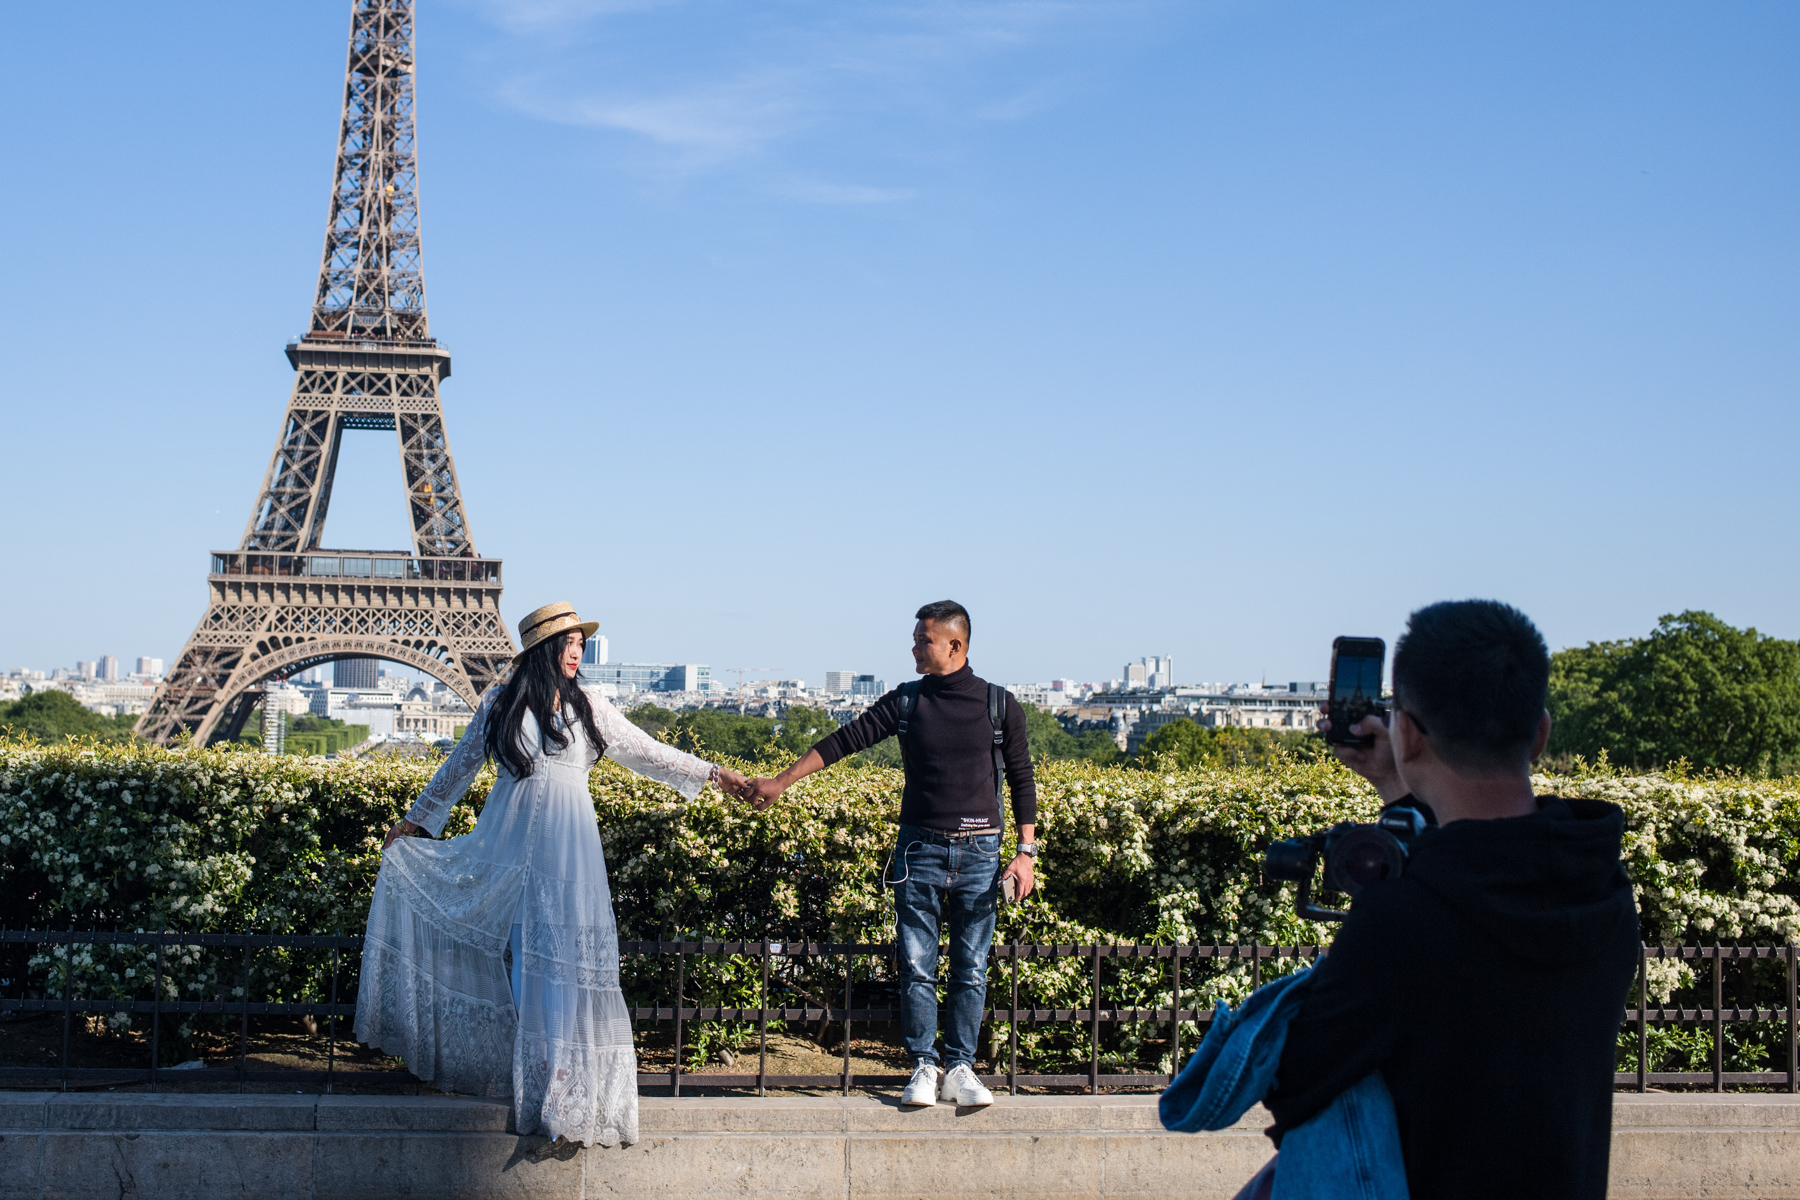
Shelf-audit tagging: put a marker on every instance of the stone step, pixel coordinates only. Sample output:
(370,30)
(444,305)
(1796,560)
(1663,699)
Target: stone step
(847,1148)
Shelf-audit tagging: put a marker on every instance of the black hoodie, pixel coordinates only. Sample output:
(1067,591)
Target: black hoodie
(1487,984)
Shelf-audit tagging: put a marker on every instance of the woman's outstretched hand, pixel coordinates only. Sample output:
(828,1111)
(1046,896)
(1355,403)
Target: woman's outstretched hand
(732,783)
(400,829)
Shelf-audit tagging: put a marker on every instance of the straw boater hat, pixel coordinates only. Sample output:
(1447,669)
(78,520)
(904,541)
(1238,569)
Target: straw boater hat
(549,621)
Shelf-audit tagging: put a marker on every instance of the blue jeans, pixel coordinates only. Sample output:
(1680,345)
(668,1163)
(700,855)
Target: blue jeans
(935,876)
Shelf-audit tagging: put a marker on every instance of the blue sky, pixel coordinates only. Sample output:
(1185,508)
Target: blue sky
(1213,329)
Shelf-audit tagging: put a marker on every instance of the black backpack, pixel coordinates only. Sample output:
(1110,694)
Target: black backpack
(909,699)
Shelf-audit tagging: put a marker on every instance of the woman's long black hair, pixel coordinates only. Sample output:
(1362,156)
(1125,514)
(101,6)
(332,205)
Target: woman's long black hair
(537,686)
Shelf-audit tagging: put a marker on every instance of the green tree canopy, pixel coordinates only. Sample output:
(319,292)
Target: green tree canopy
(1695,689)
(1184,743)
(51,715)
(802,726)
(1050,740)
(714,731)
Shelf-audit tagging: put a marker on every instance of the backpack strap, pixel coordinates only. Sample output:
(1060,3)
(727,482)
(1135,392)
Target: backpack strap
(909,699)
(997,717)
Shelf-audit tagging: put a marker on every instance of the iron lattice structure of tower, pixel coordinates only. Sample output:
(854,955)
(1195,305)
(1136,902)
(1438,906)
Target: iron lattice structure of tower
(280,603)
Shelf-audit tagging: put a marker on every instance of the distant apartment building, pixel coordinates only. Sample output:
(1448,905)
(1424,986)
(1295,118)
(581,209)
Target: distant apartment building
(839,682)
(84,669)
(1041,695)
(118,698)
(426,721)
(645,677)
(149,668)
(106,668)
(1293,707)
(1058,693)
(868,685)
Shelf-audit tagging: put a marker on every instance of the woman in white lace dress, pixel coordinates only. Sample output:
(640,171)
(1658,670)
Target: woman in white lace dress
(553,1033)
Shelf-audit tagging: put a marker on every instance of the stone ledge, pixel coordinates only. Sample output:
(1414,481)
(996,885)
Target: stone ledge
(208,1147)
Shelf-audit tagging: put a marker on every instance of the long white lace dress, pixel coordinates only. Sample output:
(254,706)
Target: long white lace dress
(434,986)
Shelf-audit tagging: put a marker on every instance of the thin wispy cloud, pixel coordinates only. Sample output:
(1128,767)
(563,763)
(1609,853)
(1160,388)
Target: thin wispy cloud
(790,91)
(551,16)
(703,126)
(815,191)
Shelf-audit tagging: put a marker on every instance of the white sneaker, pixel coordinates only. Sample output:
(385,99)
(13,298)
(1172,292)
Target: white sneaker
(922,1090)
(962,1088)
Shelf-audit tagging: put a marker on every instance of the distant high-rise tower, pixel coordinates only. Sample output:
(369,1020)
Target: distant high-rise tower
(359,673)
(1152,671)
(594,653)
(280,603)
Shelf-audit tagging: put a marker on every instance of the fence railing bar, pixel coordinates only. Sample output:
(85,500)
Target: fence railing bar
(331,1028)
(102,937)
(68,982)
(156,1016)
(1793,1046)
(1175,1019)
(1643,1049)
(1718,1046)
(1012,1027)
(680,1024)
(762,1025)
(244,1028)
(93,1004)
(1094,1060)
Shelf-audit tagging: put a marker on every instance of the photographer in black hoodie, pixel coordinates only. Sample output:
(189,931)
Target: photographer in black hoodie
(1487,983)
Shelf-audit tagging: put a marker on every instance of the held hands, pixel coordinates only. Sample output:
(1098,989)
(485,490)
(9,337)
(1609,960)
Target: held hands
(1024,869)
(763,792)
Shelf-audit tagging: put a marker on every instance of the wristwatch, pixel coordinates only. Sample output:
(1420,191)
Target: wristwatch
(1029,848)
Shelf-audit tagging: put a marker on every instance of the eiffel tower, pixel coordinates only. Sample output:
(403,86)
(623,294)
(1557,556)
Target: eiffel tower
(280,603)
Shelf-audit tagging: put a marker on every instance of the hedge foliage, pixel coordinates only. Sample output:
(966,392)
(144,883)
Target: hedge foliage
(213,840)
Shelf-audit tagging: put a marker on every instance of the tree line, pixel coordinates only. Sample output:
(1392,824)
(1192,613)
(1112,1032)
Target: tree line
(1694,689)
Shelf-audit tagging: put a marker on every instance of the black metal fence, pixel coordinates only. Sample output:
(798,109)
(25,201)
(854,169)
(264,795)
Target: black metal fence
(15,999)
(674,1008)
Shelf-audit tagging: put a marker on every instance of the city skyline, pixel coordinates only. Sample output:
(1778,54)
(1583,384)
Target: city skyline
(1511,270)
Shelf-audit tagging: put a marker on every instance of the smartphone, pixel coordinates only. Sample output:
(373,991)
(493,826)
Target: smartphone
(1009,888)
(1355,687)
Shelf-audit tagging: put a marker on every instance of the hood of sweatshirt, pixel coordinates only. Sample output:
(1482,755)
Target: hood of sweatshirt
(1550,886)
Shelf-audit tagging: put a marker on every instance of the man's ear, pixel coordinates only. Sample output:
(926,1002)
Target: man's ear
(1542,739)
(1409,743)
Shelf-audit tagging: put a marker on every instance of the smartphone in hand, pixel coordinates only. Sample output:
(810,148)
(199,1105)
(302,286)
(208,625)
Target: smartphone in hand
(1009,888)
(1355,687)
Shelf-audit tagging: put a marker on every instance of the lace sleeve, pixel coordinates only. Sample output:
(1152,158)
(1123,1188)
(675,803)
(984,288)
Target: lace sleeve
(636,750)
(433,806)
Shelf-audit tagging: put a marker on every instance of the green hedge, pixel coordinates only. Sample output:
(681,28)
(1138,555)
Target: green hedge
(228,840)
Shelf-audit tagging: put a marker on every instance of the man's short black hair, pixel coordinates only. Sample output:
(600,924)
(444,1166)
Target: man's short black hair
(947,611)
(1475,675)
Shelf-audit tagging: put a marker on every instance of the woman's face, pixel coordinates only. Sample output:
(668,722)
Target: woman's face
(569,658)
